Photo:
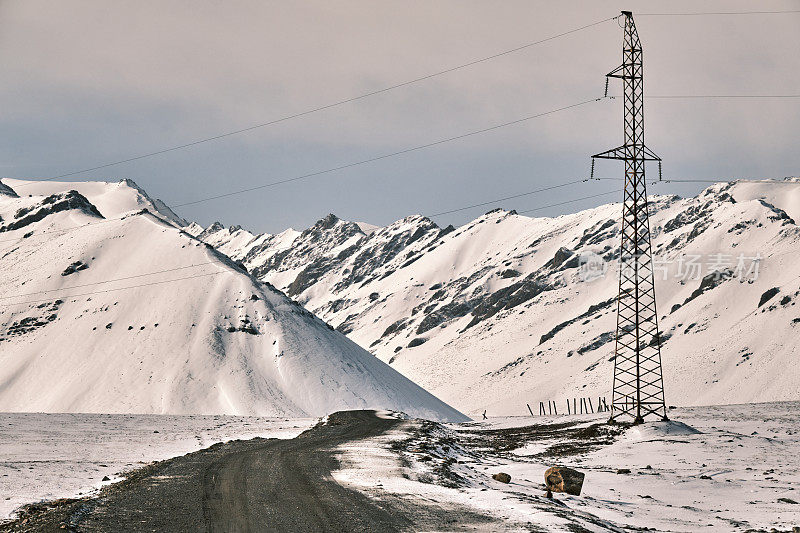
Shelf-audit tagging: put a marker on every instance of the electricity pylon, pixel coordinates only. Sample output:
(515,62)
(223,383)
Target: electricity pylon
(638,389)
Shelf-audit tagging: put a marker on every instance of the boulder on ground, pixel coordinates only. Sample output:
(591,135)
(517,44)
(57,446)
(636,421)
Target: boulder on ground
(563,479)
(502,477)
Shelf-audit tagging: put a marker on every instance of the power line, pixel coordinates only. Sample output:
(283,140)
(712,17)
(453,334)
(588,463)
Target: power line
(331,105)
(510,197)
(73,228)
(766,181)
(700,13)
(568,202)
(110,280)
(67,230)
(558,186)
(118,289)
(342,167)
(121,217)
(389,155)
(583,180)
(700,96)
(68,296)
(539,208)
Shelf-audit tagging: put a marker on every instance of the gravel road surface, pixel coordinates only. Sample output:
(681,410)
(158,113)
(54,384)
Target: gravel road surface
(250,486)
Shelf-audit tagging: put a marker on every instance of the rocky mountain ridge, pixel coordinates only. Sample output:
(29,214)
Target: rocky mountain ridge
(502,311)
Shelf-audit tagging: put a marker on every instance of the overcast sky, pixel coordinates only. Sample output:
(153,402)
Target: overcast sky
(84,83)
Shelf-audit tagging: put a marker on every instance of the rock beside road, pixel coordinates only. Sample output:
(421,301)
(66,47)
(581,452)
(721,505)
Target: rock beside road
(502,477)
(563,479)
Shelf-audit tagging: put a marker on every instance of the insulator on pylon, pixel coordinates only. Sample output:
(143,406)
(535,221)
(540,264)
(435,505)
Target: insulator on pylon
(659,171)
(591,174)
(605,95)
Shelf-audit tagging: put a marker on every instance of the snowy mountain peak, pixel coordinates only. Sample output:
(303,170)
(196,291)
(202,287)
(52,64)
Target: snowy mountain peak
(160,207)
(112,200)
(500,213)
(136,315)
(481,312)
(210,230)
(417,219)
(332,226)
(327,222)
(194,229)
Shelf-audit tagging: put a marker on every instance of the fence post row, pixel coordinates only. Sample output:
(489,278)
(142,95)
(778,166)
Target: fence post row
(586,406)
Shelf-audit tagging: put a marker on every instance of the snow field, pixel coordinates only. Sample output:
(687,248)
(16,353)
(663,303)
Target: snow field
(48,456)
(722,468)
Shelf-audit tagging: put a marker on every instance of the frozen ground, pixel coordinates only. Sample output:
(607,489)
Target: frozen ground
(48,456)
(726,468)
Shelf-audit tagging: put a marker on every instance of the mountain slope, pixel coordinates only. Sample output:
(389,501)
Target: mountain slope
(108,312)
(500,312)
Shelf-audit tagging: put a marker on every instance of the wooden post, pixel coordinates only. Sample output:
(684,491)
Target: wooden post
(574,406)
(550,407)
(529,409)
(591,407)
(583,404)
(555,408)
(568,410)
(541,409)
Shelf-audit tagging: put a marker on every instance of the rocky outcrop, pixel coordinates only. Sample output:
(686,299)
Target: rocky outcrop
(7,191)
(52,204)
(502,477)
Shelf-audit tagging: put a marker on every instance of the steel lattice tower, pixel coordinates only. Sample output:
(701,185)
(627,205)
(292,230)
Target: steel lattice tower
(638,389)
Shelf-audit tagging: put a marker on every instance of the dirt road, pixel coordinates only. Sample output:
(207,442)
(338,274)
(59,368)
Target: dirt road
(287,485)
(250,486)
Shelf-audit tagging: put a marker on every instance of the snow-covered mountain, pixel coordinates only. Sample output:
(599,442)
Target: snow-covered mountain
(109,306)
(506,310)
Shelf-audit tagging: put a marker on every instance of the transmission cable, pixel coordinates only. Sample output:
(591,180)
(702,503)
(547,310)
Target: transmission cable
(73,228)
(195,276)
(351,165)
(509,197)
(389,155)
(7,297)
(331,105)
(68,296)
(765,181)
(539,208)
(700,13)
(702,96)
(568,202)
(583,180)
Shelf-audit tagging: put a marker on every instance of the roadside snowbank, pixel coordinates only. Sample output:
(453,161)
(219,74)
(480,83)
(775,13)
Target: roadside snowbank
(723,468)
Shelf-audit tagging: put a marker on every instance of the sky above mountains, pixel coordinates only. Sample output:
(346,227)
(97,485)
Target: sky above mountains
(87,82)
